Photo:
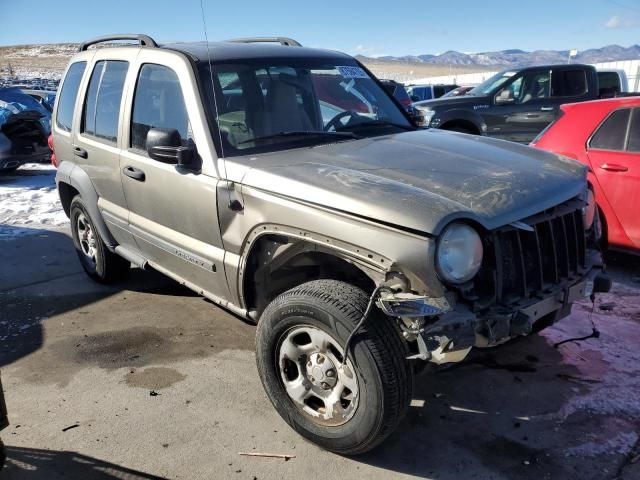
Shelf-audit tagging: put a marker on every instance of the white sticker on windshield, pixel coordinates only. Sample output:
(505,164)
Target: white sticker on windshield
(352,72)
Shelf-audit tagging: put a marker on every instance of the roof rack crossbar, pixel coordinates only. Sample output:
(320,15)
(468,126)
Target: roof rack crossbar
(289,42)
(145,40)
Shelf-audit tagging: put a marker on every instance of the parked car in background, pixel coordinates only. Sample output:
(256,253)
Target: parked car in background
(458,92)
(515,104)
(399,93)
(46,98)
(605,136)
(612,82)
(418,93)
(25,126)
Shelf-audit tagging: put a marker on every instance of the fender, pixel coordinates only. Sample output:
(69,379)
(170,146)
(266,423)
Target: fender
(371,264)
(73,175)
(442,117)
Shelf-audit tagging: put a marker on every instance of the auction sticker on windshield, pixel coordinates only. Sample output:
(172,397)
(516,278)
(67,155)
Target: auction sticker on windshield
(352,72)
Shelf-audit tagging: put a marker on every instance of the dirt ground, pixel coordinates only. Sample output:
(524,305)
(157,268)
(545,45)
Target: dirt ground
(80,362)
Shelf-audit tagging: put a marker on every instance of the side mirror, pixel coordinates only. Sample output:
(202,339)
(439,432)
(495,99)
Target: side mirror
(165,145)
(504,97)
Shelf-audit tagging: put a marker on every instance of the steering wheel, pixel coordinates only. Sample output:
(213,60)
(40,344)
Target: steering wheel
(333,123)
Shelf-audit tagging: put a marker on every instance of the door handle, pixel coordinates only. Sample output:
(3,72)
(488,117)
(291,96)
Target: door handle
(546,109)
(80,152)
(614,167)
(135,173)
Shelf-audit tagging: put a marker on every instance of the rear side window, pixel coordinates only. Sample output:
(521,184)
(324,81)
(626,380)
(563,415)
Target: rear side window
(609,82)
(634,132)
(158,103)
(569,83)
(612,132)
(68,94)
(102,105)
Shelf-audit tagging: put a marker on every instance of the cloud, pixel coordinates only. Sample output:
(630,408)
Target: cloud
(618,21)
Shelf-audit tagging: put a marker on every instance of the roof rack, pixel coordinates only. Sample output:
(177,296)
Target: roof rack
(145,40)
(289,42)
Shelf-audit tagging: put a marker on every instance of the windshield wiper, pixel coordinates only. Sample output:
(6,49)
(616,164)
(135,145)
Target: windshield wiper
(378,123)
(302,133)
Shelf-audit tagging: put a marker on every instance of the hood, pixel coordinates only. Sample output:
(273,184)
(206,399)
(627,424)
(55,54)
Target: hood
(418,180)
(450,102)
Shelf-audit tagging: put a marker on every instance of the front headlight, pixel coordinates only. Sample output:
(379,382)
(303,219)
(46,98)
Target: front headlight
(426,114)
(459,253)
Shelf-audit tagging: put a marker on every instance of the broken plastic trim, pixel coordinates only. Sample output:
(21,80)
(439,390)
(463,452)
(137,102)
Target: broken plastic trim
(411,305)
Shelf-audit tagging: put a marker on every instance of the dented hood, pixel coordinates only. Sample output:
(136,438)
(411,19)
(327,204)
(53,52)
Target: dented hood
(418,180)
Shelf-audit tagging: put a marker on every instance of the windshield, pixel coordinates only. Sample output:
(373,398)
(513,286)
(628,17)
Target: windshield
(492,83)
(296,102)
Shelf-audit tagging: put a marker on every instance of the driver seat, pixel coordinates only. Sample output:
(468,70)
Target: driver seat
(283,113)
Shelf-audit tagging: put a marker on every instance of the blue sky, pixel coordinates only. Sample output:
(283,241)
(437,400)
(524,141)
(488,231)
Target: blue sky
(369,27)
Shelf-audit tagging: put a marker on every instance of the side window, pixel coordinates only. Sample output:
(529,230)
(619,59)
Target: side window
(612,132)
(102,105)
(534,86)
(157,103)
(609,83)
(634,132)
(68,95)
(569,83)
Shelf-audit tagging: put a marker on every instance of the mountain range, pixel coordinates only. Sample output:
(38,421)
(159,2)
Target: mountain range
(515,57)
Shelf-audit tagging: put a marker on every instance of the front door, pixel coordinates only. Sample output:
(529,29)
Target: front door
(522,108)
(172,211)
(614,152)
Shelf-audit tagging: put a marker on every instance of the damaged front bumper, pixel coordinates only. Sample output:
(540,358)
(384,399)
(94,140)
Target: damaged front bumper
(456,330)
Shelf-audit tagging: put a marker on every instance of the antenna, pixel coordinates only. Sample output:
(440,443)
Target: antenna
(215,104)
(213,90)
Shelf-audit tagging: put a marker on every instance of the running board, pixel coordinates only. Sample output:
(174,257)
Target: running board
(134,258)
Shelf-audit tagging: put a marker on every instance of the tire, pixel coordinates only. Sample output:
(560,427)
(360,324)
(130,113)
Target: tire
(98,262)
(460,130)
(3,454)
(599,234)
(383,376)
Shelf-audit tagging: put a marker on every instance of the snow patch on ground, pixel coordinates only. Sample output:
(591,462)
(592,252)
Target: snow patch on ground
(29,198)
(610,372)
(621,444)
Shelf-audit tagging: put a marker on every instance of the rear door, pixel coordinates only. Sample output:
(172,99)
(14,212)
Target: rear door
(614,152)
(62,121)
(97,140)
(172,211)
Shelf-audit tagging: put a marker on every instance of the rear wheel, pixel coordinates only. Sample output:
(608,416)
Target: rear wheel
(98,262)
(299,348)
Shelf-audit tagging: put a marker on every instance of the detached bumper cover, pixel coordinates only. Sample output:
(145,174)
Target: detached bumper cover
(461,328)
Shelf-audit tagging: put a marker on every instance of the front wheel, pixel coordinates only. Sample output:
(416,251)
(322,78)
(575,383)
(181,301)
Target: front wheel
(299,348)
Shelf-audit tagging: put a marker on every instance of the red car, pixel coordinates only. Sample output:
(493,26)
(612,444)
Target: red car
(605,136)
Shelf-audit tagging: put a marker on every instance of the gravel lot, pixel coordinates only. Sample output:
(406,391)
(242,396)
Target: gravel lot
(79,362)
